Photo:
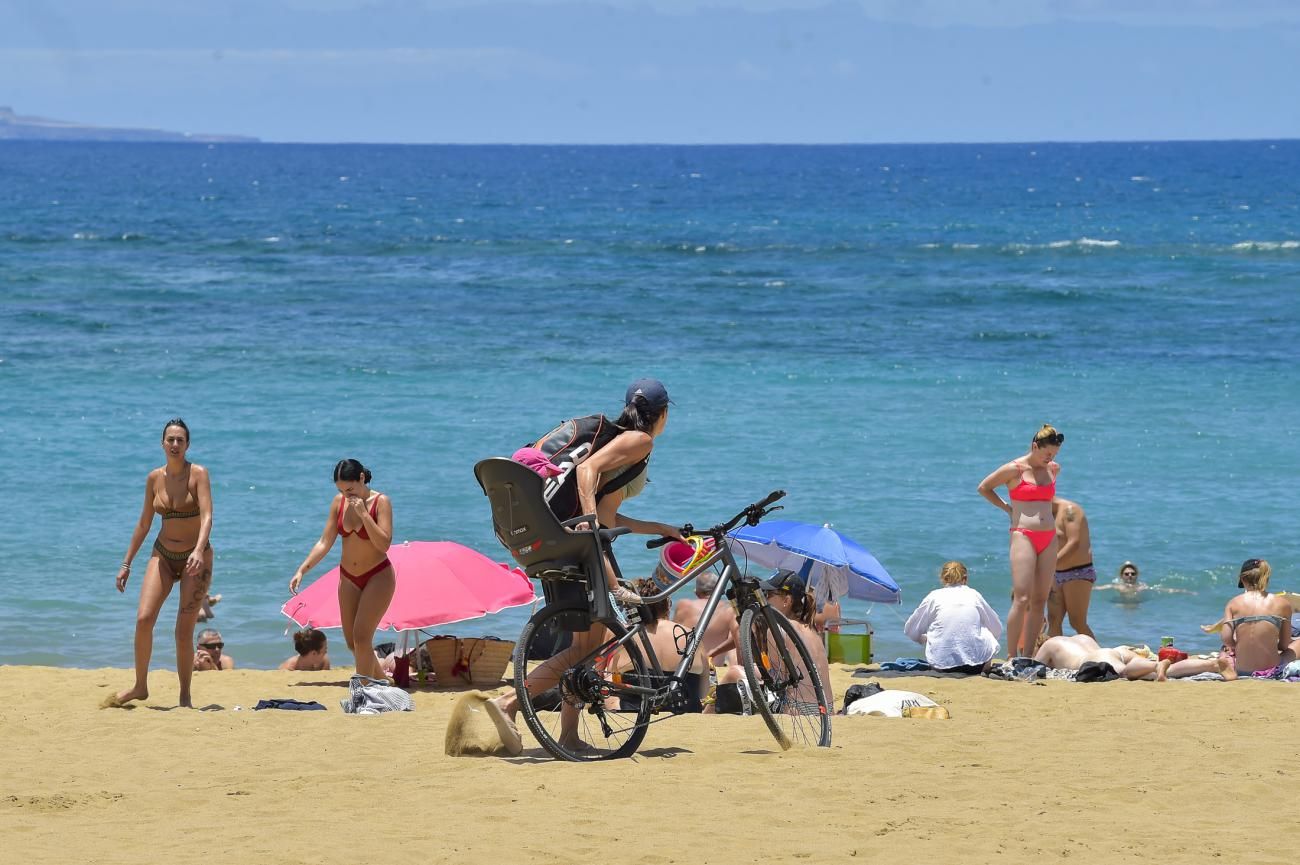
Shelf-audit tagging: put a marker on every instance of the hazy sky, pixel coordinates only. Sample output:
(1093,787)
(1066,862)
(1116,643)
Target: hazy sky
(661,70)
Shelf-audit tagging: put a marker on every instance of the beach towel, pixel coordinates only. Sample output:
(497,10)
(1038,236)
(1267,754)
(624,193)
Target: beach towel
(1022,669)
(889,704)
(1096,671)
(372,697)
(906,665)
(290,705)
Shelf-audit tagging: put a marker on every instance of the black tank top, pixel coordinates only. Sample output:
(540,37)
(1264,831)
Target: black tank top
(568,445)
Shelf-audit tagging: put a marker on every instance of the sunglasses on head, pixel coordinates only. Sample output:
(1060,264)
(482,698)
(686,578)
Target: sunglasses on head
(212,645)
(1054,440)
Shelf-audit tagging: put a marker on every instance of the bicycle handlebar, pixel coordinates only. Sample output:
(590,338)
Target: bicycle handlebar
(751,514)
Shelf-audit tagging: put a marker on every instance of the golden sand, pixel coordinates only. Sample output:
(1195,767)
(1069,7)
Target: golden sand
(1174,772)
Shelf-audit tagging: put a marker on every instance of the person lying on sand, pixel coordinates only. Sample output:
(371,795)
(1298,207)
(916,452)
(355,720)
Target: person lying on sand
(1071,653)
(209,653)
(312,647)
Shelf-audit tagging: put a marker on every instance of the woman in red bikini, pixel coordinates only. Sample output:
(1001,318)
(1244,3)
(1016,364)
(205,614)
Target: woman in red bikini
(181,493)
(1031,484)
(364,519)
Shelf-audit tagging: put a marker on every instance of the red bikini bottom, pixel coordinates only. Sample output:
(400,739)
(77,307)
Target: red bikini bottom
(360,580)
(1041,539)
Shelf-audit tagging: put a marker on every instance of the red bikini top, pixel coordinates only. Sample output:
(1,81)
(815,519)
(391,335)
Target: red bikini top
(1032,492)
(361,532)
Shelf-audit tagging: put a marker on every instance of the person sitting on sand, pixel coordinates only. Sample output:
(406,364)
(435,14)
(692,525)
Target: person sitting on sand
(1256,630)
(1072,586)
(956,625)
(668,641)
(210,652)
(1071,653)
(313,651)
(787,593)
(687,612)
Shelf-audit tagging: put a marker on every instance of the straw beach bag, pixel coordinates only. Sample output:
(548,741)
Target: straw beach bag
(476,661)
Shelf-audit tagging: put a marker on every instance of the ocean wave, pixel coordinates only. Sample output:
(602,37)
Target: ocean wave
(1265,245)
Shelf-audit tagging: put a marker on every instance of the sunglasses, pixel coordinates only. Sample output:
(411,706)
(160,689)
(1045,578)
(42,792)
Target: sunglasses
(217,646)
(1053,440)
(1129,573)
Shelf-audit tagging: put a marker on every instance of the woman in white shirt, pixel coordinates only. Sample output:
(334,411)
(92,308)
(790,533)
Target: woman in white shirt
(956,625)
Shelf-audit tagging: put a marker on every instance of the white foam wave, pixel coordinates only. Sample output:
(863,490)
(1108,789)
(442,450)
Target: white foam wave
(1265,245)
(1088,241)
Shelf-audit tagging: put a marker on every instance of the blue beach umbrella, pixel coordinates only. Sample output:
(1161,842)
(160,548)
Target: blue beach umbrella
(828,561)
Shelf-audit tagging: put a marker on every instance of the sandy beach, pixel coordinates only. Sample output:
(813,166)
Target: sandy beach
(1115,772)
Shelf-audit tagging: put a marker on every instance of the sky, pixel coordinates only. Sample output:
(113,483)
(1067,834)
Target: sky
(661,71)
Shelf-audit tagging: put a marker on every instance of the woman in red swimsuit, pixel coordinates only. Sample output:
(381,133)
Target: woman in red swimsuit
(364,519)
(1031,483)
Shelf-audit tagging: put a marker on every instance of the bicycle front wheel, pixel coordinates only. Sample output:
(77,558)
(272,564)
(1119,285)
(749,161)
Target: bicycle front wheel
(565,710)
(784,684)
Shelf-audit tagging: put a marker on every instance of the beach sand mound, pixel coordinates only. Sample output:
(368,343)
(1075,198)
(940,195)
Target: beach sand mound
(471,731)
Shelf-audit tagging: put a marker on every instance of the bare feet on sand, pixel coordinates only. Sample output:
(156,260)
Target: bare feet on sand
(1162,670)
(122,698)
(1226,669)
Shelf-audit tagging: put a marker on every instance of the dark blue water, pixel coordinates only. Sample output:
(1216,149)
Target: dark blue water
(871,328)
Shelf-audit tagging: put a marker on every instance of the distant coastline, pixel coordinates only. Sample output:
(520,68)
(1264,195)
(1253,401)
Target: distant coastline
(16,127)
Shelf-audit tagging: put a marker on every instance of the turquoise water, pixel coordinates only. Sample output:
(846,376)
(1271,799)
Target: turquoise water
(871,328)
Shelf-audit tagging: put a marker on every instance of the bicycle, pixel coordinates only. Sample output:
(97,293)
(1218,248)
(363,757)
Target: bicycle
(613,706)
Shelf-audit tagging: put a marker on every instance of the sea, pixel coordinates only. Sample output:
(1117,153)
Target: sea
(871,328)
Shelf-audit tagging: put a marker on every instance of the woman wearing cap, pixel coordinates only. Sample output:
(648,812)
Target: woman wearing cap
(1256,630)
(591,465)
(1031,486)
(955,624)
(181,493)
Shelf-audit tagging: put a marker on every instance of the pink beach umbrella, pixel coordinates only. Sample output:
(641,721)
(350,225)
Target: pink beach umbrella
(438,582)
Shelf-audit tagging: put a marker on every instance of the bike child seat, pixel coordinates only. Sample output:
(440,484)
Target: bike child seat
(570,564)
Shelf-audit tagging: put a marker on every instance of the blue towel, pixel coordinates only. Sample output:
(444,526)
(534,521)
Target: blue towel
(906,665)
(292,705)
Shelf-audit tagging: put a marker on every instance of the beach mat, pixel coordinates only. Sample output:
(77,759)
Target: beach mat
(867,672)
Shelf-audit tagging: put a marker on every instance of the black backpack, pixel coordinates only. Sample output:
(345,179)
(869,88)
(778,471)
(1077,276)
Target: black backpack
(567,446)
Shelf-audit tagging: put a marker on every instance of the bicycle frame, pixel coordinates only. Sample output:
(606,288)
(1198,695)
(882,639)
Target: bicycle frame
(730,577)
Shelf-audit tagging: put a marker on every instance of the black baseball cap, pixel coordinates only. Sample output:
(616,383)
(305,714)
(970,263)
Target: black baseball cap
(784,581)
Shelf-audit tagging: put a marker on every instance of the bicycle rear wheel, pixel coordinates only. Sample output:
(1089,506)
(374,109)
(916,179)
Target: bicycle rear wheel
(783,680)
(572,720)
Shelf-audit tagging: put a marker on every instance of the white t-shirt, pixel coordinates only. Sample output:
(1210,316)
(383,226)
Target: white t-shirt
(958,625)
